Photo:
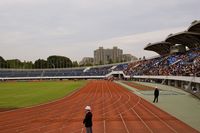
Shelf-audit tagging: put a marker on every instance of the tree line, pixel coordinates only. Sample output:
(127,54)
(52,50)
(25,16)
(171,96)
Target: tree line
(51,62)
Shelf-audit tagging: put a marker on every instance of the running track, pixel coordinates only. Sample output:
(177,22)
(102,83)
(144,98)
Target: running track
(115,110)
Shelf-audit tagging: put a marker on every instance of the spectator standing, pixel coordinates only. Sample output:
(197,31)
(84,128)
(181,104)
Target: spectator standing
(156,94)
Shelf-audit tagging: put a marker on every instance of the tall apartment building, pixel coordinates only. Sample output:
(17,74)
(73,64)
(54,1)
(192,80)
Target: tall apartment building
(107,56)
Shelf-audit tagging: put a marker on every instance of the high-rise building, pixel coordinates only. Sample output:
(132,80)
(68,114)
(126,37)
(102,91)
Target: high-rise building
(107,56)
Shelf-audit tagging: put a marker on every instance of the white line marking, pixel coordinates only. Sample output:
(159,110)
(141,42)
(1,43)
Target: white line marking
(124,123)
(104,126)
(82,130)
(160,119)
(142,121)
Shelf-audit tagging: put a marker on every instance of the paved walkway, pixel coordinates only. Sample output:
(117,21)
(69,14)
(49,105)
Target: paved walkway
(176,102)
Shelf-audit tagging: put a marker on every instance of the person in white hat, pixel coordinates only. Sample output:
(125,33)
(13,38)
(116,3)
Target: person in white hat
(88,119)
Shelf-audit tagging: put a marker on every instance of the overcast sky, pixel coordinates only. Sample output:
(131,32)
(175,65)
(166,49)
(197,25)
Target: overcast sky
(32,29)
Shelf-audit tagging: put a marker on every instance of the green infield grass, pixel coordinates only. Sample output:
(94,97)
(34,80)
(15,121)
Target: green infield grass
(24,94)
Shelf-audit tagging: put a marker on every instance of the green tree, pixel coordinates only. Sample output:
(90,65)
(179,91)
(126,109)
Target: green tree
(15,63)
(3,63)
(75,64)
(58,62)
(27,65)
(40,63)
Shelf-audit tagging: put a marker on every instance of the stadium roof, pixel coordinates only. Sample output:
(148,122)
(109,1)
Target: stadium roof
(194,27)
(161,48)
(189,39)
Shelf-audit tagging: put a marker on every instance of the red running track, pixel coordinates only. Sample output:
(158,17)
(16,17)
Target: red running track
(115,110)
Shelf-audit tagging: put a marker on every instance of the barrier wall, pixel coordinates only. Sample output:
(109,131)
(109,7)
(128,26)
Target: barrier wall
(187,83)
(54,77)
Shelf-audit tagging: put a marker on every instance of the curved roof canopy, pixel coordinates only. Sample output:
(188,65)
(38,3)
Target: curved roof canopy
(194,27)
(189,39)
(161,48)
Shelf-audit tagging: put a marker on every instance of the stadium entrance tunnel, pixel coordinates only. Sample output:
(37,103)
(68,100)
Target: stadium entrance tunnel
(117,75)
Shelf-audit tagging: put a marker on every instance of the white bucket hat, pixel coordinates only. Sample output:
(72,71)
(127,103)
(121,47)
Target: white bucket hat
(87,108)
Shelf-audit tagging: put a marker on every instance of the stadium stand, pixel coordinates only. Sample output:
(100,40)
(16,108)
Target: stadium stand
(121,67)
(177,64)
(93,71)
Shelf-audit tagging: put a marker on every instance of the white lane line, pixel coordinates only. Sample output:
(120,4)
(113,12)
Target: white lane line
(142,121)
(160,119)
(116,101)
(104,122)
(82,130)
(91,100)
(139,102)
(128,100)
(124,123)
(104,126)
(121,114)
(132,109)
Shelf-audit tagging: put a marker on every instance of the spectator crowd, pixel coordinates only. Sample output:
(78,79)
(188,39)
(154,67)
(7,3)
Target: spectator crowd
(177,64)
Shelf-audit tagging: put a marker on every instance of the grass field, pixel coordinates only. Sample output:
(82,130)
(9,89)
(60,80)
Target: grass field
(23,94)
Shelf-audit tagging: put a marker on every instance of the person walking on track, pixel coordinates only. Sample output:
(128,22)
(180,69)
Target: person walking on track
(88,119)
(156,94)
